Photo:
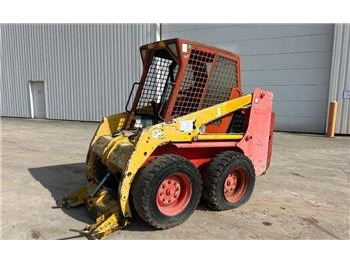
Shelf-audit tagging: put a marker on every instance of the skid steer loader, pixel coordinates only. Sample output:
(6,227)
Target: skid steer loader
(189,134)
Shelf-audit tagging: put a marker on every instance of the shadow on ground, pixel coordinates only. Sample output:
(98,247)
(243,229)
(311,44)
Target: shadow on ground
(61,180)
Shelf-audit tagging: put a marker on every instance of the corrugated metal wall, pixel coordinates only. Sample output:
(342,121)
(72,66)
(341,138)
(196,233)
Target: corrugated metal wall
(340,76)
(88,69)
(292,60)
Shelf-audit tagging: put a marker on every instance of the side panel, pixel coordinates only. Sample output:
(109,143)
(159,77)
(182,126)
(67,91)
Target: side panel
(256,141)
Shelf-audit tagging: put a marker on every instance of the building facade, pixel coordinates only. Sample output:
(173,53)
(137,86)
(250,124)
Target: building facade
(70,71)
(85,71)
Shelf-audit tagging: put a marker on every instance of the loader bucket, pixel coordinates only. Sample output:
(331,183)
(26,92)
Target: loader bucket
(102,206)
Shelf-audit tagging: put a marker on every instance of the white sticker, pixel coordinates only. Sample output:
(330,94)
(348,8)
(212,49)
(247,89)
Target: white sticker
(184,48)
(219,112)
(138,123)
(157,133)
(186,126)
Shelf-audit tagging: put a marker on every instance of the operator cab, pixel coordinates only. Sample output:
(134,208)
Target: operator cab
(180,77)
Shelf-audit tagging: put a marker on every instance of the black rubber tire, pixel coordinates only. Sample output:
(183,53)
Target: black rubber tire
(214,176)
(147,182)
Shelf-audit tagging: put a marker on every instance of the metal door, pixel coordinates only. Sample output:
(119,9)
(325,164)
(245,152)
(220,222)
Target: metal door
(38,104)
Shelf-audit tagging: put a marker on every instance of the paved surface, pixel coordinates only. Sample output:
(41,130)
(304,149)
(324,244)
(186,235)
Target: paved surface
(304,195)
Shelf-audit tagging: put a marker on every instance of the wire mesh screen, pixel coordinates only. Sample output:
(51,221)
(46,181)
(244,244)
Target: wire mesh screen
(237,123)
(155,83)
(223,78)
(193,83)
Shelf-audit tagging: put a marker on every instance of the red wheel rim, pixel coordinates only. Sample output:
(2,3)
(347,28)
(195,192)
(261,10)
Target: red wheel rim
(174,193)
(235,185)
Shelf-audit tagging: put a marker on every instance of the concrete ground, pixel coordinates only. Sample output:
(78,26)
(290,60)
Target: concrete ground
(304,195)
